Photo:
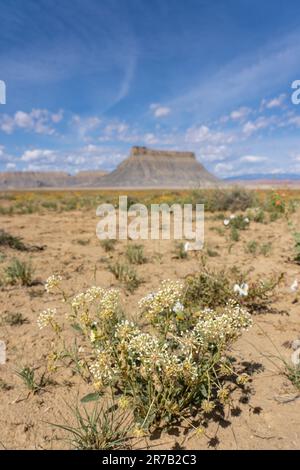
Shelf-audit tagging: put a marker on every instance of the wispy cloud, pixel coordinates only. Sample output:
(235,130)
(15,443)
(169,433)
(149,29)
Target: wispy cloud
(159,111)
(253,159)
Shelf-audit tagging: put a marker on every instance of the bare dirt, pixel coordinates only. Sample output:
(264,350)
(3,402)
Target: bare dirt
(270,419)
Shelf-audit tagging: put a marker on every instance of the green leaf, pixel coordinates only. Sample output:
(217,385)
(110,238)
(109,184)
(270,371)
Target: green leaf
(91,397)
(77,327)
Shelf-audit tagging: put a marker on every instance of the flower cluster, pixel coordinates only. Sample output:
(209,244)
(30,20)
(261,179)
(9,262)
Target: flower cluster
(163,304)
(96,309)
(53,283)
(219,329)
(46,318)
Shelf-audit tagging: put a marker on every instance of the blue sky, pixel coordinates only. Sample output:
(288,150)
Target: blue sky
(87,79)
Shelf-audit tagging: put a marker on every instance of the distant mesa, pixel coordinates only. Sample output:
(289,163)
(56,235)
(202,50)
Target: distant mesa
(144,168)
(147,168)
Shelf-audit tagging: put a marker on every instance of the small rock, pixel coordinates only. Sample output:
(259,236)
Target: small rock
(2,353)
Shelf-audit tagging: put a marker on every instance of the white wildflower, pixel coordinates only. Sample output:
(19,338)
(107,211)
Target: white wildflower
(178,307)
(46,317)
(226,222)
(242,290)
(52,283)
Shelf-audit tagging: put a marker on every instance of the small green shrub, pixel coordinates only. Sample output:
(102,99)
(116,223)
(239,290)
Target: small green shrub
(135,254)
(297,247)
(252,247)
(108,244)
(180,251)
(126,274)
(14,319)
(6,239)
(19,272)
(234,234)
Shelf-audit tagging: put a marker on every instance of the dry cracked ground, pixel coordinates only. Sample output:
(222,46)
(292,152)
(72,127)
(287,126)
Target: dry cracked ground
(267,419)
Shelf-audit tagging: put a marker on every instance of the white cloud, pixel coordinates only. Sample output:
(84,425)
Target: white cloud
(159,110)
(240,114)
(276,102)
(253,159)
(39,121)
(38,154)
(85,125)
(11,166)
(253,126)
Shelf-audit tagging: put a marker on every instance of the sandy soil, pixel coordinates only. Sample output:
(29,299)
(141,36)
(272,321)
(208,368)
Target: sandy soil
(270,419)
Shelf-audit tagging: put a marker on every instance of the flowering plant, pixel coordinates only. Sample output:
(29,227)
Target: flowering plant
(160,373)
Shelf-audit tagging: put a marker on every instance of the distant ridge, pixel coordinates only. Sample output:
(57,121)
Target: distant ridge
(53,179)
(144,168)
(265,176)
(148,168)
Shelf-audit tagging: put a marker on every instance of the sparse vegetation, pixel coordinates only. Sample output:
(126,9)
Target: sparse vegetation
(180,251)
(297,247)
(8,240)
(135,254)
(14,319)
(27,375)
(19,272)
(108,244)
(98,429)
(126,274)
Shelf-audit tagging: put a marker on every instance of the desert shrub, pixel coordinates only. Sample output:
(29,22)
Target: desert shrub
(274,215)
(6,239)
(233,199)
(180,251)
(50,205)
(208,289)
(266,248)
(108,244)
(215,289)
(126,274)
(259,216)
(239,222)
(296,236)
(135,254)
(14,319)
(212,252)
(19,272)
(292,372)
(274,203)
(161,374)
(252,247)
(259,293)
(234,234)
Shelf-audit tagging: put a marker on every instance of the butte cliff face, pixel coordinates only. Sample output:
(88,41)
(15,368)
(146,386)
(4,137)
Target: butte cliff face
(146,168)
